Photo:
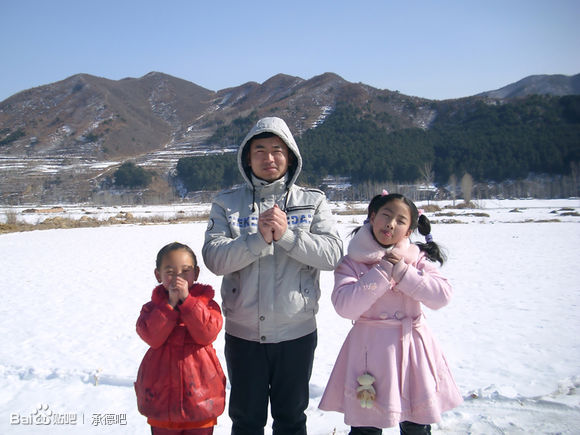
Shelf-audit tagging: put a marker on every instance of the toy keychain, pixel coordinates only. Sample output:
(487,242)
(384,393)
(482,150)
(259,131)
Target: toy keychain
(366,393)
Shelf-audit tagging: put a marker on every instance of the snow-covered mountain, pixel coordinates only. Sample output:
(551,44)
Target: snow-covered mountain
(556,84)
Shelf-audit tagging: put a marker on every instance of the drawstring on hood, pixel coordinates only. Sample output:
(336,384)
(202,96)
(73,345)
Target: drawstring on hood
(278,127)
(253,198)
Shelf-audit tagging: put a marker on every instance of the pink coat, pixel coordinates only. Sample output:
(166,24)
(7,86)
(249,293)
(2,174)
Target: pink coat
(389,339)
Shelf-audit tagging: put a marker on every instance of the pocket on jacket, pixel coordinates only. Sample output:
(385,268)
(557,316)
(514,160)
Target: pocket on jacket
(230,292)
(308,289)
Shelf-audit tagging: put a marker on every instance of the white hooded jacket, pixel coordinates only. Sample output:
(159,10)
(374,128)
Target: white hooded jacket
(270,292)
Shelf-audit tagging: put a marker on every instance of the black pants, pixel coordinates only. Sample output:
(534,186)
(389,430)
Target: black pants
(278,372)
(406,427)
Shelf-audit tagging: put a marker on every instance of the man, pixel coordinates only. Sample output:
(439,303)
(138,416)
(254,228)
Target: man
(270,238)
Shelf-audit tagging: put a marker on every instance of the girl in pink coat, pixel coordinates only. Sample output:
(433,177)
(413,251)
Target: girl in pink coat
(390,369)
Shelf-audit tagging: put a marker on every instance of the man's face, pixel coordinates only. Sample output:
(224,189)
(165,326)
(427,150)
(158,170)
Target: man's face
(269,158)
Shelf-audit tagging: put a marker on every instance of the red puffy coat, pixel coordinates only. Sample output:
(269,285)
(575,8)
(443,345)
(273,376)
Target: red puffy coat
(180,379)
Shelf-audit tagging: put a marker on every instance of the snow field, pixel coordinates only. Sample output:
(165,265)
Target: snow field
(510,334)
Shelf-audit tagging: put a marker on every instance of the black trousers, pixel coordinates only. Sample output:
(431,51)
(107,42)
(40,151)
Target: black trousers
(406,428)
(278,373)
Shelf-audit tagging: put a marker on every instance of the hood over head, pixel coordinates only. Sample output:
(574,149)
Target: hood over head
(278,127)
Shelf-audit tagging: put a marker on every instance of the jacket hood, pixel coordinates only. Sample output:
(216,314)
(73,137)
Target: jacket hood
(278,127)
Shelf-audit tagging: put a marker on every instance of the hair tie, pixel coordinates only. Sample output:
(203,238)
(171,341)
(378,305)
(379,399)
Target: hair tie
(366,221)
(385,193)
(421,211)
(428,238)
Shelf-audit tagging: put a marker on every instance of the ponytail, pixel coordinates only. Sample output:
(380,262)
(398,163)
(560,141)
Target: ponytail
(431,249)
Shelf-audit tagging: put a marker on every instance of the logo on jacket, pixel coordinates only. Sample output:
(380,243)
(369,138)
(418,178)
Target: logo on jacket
(252,221)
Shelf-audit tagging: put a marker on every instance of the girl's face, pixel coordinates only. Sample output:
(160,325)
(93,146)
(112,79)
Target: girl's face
(177,264)
(391,223)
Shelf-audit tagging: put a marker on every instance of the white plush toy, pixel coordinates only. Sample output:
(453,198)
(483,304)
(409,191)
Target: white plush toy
(366,392)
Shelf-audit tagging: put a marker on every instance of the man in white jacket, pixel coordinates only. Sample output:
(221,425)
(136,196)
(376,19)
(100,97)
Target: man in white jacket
(270,238)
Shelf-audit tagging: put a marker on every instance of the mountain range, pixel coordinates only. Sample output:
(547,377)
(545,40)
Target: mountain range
(58,142)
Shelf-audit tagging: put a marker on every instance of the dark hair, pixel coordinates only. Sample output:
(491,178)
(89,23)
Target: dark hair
(175,246)
(421,223)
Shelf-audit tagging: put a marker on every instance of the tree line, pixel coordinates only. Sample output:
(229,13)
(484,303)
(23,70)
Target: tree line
(492,140)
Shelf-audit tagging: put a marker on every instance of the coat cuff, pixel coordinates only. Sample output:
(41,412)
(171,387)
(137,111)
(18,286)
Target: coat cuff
(288,240)
(256,243)
(191,302)
(187,303)
(386,267)
(168,311)
(399,270)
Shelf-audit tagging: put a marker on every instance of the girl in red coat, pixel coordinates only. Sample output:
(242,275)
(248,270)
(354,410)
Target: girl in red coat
(180,385)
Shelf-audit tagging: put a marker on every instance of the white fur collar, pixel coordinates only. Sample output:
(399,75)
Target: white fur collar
(364,248)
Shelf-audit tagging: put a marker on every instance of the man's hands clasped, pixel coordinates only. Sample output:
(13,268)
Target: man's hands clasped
(272,224)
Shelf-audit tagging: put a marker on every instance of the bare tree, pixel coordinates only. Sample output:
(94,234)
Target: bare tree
(453,187)
(467,187)
(574,174)
(427,174)
(427,177)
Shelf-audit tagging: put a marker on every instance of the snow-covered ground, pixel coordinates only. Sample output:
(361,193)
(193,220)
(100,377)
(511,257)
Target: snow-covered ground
(35,215)
(70,353)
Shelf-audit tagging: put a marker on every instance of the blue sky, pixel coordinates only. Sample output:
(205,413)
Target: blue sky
(433,49)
